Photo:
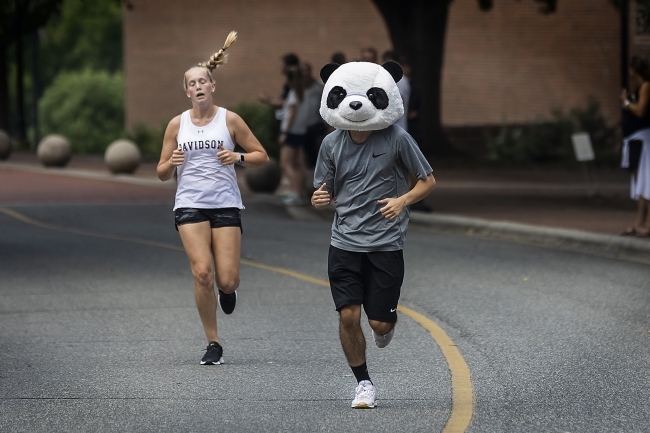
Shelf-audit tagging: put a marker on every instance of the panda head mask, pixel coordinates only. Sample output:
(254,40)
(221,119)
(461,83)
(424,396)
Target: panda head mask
(361,96)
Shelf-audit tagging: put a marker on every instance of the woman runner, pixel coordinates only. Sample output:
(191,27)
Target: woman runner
(199,145)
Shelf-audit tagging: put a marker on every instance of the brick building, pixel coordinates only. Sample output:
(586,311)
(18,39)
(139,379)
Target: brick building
(510,65)
(638,38)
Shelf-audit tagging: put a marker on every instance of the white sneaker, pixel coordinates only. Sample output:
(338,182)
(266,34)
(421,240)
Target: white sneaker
(382,340)
(365,395)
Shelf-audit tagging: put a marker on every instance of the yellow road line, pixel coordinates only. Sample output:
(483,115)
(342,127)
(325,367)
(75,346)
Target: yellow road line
(461,379)
(462,408)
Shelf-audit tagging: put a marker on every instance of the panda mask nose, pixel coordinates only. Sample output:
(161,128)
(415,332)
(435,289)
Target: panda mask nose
(355,105)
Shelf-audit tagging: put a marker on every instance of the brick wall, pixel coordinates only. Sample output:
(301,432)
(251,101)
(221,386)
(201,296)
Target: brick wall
(511,64)
(165,37)
(639,39)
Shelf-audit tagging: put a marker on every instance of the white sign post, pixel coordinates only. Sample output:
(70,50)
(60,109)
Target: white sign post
(584,152)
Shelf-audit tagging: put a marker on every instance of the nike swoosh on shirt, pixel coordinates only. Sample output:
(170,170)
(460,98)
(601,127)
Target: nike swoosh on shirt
(375,156)
(392,310)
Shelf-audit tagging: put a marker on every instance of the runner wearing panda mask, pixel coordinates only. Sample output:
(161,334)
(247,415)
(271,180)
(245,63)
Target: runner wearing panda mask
(364,165)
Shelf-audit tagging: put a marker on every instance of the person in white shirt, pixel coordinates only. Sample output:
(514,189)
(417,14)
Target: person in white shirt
(295,120)
(199,145)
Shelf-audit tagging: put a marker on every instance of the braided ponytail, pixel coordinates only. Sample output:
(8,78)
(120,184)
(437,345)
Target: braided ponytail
(217,59)
(220,57)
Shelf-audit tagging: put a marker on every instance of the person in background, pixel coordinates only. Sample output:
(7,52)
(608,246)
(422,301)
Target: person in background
(410,121)
(368,54)
(636,143)
(338,58)
(295,117)
(404,87)
(289,60)
(316,128)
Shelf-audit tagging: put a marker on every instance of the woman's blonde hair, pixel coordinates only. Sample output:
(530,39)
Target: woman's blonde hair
(217,59)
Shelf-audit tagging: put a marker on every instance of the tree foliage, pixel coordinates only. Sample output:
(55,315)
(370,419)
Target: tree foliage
(85,35)
(74,35)
(87,107)
(20,17)
(17,19)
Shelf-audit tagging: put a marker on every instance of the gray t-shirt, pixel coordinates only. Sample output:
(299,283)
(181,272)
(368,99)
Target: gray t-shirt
(358,175)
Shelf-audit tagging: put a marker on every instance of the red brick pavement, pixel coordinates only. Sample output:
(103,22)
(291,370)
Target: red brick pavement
(30,187)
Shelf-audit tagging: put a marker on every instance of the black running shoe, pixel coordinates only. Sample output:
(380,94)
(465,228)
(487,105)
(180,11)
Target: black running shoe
(213,354)
(227,301)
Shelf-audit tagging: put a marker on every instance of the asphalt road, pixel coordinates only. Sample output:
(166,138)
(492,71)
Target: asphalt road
(99,332)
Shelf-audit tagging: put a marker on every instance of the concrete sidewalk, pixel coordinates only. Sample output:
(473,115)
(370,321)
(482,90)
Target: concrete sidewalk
(548,207)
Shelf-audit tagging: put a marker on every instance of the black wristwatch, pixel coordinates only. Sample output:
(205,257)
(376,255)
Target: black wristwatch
(241,159)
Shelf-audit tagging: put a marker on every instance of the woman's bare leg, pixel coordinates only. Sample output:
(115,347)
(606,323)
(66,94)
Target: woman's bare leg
(197,240)
(226,248)
(287,157)
(641,216)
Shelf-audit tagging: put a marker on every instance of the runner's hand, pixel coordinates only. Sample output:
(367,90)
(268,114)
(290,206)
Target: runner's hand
(320,198)
(393,208)
(178,156)
(227,157)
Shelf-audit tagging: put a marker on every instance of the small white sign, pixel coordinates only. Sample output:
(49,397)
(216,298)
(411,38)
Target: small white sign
(582,146)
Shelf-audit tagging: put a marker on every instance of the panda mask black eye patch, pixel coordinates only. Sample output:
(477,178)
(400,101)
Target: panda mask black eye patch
(335,97)
(378,97)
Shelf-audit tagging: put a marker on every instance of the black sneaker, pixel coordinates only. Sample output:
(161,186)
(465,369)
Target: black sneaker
(213,354)
(227,301)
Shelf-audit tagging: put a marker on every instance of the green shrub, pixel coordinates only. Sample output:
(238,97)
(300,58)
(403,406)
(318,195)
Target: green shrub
(549,140)
(149,140)
(86,107)
(261,120)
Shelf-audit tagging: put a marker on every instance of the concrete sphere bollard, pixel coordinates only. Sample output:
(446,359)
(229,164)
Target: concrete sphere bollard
(264,179)
(5,145)
(122,156)
(54,151)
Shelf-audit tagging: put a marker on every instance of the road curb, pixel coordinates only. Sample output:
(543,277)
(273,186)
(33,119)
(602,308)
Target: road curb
(620,247)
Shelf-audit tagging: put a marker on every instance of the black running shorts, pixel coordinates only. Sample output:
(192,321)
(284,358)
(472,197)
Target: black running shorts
(223,217)
(372,279)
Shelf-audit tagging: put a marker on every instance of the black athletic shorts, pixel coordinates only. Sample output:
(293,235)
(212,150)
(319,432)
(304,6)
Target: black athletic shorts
(372,279)
(223,217)
(295,140)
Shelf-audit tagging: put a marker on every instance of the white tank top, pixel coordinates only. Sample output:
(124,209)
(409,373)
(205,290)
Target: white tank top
(203,182)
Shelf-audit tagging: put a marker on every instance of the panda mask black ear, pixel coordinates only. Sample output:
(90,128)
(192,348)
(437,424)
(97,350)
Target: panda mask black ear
(394,69)
(327,70)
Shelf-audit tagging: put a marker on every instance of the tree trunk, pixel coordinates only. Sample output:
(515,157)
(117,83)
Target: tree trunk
(21,127)
(36,89)
(417,29)
(4,91)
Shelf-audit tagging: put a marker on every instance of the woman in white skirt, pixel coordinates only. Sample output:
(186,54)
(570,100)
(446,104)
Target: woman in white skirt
(636,143)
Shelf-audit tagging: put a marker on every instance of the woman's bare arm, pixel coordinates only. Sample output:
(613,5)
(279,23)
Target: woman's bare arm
(640,108)
(170,155)
(255,155)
